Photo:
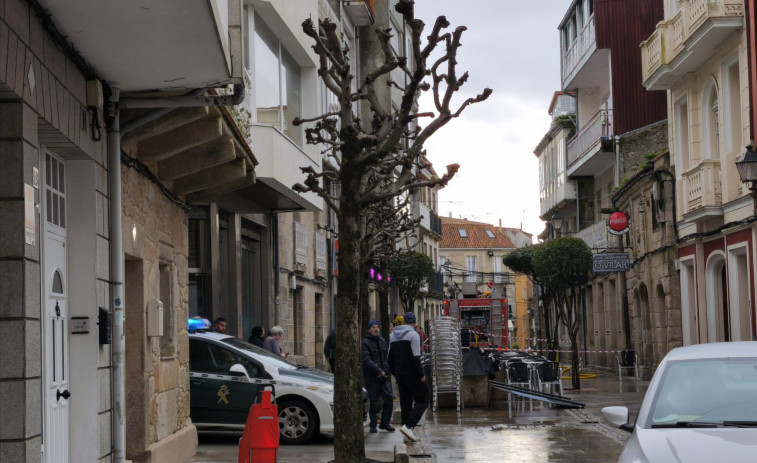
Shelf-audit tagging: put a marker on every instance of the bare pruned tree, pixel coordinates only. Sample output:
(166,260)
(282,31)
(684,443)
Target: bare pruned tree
(376,159)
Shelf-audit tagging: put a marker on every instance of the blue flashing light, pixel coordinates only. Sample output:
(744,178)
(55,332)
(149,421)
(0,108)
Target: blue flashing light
(197,324)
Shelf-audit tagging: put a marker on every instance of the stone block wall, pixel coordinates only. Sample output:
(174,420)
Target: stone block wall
(155,238)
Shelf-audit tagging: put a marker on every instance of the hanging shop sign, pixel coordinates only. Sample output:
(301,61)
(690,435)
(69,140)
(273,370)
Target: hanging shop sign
(611,262)
(618,223)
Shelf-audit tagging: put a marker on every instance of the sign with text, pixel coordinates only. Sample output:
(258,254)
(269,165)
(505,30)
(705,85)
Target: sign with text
(611,262)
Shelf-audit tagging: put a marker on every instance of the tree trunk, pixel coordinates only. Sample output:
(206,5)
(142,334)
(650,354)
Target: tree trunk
(348,381)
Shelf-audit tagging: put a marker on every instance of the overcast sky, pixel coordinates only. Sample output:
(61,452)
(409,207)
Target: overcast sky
(511,47)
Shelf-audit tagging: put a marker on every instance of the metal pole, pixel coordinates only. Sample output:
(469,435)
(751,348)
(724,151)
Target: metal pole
(118,348)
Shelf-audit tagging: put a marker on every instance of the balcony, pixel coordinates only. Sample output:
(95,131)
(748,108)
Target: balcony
(578,52)
(556,193)
(703,191)
(590,150)
(184,44)
(682,43)
(360,12)
(280,160)
(595,235)
(429,220)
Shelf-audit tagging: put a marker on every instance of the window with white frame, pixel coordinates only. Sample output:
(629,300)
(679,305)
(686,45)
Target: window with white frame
(300,243)
(710,110)
(732,105)
(682,134)
(320,252)
(278,87)
(498,277)
(470,265)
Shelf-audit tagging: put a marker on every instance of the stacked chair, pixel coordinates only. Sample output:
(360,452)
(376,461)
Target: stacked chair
(446,359)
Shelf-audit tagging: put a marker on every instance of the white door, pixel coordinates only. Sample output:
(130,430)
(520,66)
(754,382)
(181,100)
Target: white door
(55,328)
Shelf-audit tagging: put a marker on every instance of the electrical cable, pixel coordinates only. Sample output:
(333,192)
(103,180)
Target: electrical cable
(142,169)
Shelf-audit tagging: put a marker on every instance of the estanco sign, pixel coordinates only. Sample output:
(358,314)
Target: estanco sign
(611,262)
(618,223)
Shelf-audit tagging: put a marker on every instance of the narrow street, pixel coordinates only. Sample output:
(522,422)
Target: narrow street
(532,433)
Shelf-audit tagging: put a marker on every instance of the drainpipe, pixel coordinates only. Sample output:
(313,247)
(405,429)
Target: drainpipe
(118,347)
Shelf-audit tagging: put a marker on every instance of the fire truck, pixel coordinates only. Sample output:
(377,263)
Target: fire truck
(483,321)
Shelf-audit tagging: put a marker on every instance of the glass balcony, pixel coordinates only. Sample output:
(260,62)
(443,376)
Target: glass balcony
(584,146)
(683,42)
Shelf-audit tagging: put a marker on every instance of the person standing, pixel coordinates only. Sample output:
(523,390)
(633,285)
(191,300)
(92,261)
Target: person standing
(329,349)
(256,337)
(424,339)
(405,365)
(375,367)
(219,325)
(271,342)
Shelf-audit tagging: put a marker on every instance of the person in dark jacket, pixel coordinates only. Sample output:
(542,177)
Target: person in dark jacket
(256,337)
(405,365)
(375,369)
(329,349)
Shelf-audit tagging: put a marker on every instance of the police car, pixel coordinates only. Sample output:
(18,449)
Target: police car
(227,373)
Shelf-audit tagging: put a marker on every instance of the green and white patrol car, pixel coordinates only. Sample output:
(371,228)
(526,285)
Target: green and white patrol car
(227,373)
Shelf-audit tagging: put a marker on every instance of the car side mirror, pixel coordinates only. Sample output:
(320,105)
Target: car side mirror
(618,417)
(239,371)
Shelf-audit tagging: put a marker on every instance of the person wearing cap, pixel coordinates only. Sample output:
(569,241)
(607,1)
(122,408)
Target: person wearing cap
(375,368)
(405,365)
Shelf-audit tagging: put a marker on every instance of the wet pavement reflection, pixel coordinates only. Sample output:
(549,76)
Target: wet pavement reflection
(535,432)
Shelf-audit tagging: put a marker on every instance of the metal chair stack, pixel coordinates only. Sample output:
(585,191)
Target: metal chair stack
(446,359)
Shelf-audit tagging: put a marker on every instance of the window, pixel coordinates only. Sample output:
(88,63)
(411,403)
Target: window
(682,134)
(209,358)
(463,233)
(199,273)
(166,286)
(278,93)
(470,264)
(732,112)
(710,122)
(498,277)
(489,233)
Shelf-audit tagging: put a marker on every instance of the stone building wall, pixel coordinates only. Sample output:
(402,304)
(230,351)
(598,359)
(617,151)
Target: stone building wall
(303,310)
(155,239)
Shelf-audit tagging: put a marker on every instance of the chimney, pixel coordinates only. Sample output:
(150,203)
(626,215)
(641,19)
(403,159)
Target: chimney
(500,223)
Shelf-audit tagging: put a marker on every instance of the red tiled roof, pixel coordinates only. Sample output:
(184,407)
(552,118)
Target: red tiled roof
(477,236)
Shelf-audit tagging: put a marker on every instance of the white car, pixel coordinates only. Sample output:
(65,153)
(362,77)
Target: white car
(227,373)
(701,406)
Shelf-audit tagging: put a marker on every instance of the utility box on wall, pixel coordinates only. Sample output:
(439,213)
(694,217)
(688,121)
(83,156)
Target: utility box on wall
(154,318)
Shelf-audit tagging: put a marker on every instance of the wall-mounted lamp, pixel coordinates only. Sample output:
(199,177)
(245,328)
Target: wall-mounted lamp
(557,221)
(747,167)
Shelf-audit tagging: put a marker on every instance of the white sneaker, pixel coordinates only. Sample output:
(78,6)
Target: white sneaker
(409,433)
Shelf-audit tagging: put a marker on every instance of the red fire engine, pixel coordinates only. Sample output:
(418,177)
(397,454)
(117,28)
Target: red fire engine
(485,320)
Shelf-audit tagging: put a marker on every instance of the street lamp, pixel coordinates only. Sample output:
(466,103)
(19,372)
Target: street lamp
(747,167)
(557,221)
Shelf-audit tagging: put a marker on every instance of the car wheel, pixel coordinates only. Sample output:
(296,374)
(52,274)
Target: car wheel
(297,421)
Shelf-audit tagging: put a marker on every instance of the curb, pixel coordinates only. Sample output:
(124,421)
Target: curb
(400,454)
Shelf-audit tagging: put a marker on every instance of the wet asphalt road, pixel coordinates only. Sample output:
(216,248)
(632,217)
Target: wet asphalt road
(529,433)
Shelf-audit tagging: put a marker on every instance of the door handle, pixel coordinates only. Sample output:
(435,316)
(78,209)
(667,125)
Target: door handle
(65,394)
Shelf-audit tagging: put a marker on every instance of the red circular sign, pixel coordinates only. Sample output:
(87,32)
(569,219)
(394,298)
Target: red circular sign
(490,284)
(618,221)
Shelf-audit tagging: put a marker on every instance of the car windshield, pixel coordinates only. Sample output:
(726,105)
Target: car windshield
(277,361)
(711,392)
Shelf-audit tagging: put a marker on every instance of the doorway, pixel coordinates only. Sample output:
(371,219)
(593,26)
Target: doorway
(55,312)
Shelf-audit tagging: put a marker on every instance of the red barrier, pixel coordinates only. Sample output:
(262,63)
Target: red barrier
(260,440)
